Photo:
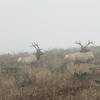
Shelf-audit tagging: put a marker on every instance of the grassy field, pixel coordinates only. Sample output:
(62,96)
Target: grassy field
(48,79)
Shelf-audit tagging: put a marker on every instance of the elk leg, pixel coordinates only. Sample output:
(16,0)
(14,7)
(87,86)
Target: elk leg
(78,68)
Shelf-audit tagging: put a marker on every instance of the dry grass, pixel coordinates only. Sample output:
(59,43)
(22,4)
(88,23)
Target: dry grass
(46,85)
(44,81)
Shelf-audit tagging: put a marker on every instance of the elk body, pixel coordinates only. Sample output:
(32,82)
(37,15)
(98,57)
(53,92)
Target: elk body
(80,57)
(76,59)
(27,60)
(33,58)
(83,56)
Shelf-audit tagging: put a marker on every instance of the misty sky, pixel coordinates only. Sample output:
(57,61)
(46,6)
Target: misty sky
(53,23)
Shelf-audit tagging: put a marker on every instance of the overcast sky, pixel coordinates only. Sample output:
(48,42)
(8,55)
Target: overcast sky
(53,23)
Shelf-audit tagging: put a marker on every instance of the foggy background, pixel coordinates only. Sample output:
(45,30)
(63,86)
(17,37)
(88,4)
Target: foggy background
(53,23)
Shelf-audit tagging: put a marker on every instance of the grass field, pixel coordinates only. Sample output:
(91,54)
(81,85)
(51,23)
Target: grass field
(48,79)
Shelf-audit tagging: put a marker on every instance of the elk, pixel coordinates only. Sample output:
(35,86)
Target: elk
(83,56)
(31,59)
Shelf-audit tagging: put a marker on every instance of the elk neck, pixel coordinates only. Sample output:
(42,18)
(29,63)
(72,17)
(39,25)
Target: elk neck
(38,54)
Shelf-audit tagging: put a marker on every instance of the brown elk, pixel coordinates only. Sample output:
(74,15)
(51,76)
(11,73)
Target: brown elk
(83,56)
(33,58)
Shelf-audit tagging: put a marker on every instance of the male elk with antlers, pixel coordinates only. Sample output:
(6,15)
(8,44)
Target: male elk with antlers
(31,59)
(84,56)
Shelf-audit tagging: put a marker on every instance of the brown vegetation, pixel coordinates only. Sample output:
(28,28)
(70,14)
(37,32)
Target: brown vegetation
(47,80)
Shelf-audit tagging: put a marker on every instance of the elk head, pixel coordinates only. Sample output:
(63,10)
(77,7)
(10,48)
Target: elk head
(84,48)
(38,50)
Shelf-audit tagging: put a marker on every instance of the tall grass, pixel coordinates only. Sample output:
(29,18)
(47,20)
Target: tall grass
(46,80)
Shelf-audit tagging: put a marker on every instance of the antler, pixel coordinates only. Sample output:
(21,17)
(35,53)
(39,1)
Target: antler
(36,46)
(79,43)
(89,42)
(38,50)
(84,48)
